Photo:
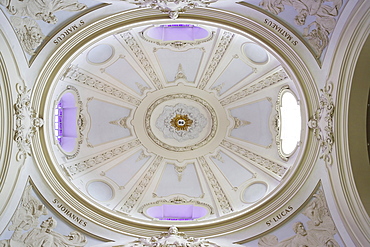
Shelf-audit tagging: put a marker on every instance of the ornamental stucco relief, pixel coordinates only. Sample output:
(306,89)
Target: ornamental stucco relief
(172,7)
(317,32)
(26,13)
(181,122)
(322,124)
(320,228)
(27,122)
(25,223)
(172,238)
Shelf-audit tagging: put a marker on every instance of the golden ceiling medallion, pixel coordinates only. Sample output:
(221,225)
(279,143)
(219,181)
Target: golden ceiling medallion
(181,122)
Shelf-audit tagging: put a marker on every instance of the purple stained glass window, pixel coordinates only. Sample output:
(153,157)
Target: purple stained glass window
(177,212)
(177,32)
(65,122)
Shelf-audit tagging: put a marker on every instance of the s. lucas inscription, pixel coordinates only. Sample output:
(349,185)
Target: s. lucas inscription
(280,30)
(279,216)
(68,213)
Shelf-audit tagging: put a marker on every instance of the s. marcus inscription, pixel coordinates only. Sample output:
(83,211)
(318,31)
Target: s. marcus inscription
(64,210)
(280,216)
(281,31)
(68,31)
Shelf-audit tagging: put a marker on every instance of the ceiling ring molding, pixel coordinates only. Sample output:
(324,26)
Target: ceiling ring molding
(122,22)
(341,173)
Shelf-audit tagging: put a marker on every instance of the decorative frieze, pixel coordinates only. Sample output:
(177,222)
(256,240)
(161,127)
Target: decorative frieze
(266,82)
(76,74)
(218,55)
(27,233)
(144,182)
(322,124)
(26,122)
(224,203)
(139,54)
(102,157)
(267,164)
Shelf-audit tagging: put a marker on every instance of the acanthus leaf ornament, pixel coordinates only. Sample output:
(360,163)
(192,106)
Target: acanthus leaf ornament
(172,7)
(322,123)
(27,122)
(172,238)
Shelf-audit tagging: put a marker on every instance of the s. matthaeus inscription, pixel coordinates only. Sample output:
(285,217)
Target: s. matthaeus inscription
(283,213)
(66,211)
(69,30)
(281,31)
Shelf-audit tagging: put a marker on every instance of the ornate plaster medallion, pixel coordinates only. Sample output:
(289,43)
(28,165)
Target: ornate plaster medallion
(181,122)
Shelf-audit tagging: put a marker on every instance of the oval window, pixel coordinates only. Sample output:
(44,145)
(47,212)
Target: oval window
(290,122)
(177,32)
(177,212)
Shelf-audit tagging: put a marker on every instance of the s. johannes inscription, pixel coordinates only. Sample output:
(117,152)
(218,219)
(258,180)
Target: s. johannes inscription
(63,209)
(282,32)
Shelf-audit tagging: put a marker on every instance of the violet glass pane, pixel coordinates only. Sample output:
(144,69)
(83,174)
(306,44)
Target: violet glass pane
(176,212)
(66,122)
(177,32)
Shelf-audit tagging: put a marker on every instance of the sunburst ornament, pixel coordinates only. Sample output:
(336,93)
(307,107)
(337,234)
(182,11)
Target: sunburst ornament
(181,122)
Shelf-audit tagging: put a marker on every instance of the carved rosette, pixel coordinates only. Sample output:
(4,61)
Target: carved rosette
(322,124)
(172,7)
(27,122)
(181,122)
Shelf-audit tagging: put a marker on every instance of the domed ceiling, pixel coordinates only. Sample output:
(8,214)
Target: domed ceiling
(142,124)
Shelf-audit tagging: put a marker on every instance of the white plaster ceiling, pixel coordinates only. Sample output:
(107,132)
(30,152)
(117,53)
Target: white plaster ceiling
(228,159)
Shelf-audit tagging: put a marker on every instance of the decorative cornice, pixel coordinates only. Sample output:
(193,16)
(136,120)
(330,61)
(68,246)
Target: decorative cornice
(135,195)
(272,166)
(322,123)
(217,189)
(100,158)
(138,52)
(266,82)
(76,74)
(218,55)
(26,121)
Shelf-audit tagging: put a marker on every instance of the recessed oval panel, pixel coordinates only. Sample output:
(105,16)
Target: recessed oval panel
(100,54)
(100,191)
(255,53)
(254,192)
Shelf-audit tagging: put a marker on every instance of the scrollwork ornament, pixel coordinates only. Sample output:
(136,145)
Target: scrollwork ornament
(322,124)
(172,7)
(26,122)
(172,238)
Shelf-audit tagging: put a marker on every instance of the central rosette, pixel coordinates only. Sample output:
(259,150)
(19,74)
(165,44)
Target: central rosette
(181,122)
